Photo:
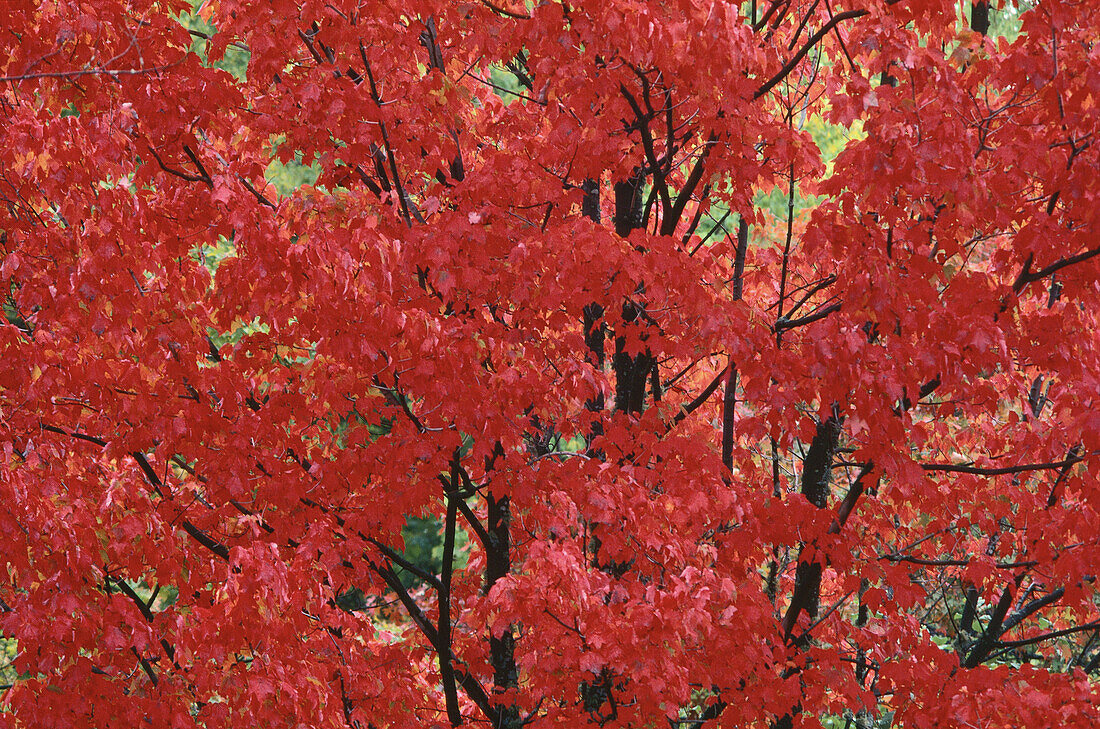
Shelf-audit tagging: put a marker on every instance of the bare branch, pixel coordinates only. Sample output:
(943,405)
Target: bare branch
(1005,470)
(806,48)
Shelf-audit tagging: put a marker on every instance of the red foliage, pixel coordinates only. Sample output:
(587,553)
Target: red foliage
(832,459)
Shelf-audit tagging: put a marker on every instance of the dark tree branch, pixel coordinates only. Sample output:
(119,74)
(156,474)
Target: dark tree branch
(89,72)
(1052,499)
(816,470)
(848,505)
(802,25)
(806,48)
(385,137)
(819,458)
(699,209)
(385,571)
(1028,276)
(446,666)
(757,25)
(150,475)
(1031,608)
(145,666)
(205,176)
(813,289)
(194,532)
(729,407)
(729,398)
(405,564)
(179,173)
(979,16)
(1012,644)
(695,404)
(785,324)
(668,225)
(1002,471)
(988,640)
(505,12)
(73,434)
(473,521)
(142,607)
(949,562)
(256,193)
(642,125)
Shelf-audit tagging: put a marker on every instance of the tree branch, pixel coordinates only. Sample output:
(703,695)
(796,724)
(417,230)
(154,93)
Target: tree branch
(446,667)
(1002,471)
(988,640)
(688,409)
(806,48)
(395,556)
(668,225)
(1028,276)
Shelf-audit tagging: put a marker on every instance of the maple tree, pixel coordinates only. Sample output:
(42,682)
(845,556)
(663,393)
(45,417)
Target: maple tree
(741,359)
